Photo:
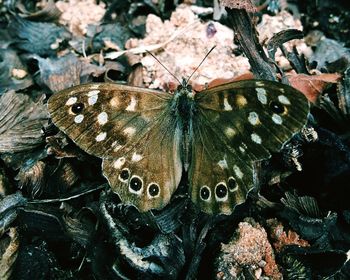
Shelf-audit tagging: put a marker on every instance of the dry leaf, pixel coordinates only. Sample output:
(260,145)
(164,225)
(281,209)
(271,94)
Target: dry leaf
(312,86)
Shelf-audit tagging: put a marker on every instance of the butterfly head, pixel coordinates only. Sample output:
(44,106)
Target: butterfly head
(185,89)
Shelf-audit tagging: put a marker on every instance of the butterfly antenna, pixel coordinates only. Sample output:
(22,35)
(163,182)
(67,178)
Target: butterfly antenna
(163,66)
(195,70)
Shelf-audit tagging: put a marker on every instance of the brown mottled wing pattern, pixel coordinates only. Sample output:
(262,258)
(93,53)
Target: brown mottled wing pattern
(131,130)
(236,124)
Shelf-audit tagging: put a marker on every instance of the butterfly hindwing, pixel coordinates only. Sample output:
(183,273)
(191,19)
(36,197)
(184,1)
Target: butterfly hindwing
(147,175)
(236,124)
(129,128)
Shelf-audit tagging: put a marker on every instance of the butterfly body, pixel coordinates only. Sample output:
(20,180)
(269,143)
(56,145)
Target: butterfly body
(146,138)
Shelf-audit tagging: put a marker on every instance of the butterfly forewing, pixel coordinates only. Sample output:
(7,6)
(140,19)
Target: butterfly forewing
(241,122)
(106,118)
(130,129)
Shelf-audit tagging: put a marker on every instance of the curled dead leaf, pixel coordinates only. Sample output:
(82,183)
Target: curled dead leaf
(312,86)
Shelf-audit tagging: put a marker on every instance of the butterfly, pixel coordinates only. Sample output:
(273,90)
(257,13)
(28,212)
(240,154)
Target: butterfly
(149,139)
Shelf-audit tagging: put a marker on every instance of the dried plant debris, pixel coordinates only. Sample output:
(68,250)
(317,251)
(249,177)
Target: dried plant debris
(109,36)
(45,11)
(248,253)
(21,122)
(328,52)
(162,257)
(60,73)
(13,73)
(55,202)
(39,38)
(9,255)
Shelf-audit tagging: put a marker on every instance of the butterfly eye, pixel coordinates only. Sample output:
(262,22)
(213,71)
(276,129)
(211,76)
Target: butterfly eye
(135,184)
(77,108)
(232,184)
(205,193)
(277,107)
(124,175)
(153,190)
(221,191)
(189,87)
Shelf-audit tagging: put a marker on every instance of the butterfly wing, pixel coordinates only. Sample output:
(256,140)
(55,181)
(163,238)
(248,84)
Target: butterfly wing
(131,129)
(236,124)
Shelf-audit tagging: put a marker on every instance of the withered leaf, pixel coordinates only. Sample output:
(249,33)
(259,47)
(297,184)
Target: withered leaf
(312,86)
(21,122)
(13,74)
(40,38)
(58,74)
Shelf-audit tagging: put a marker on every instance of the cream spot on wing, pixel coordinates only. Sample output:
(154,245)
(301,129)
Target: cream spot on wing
(253,118)
(255,138)
(114,101)
(100,137)
(227,106)
(116,146)
(95,86)
(238,171)
(259,84)
(136,157)
(93,92)
(93,96)
(241,101)
(283,99)
(129,131)
(223,164)
(242,148)
(78,118)
(230,132)
(119,163)
(102,118)
(132,105)
(277,119)
(71,101)
(261,94)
